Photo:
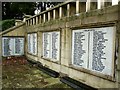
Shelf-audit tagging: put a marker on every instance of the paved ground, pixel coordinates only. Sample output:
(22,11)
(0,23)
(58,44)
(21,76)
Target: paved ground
(17,73)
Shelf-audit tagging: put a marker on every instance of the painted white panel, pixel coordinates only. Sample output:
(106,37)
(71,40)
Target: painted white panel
(46,45)
(80,48)
(94,49)
(12,46)
(101,50)
(51,45)
(55,45)
(32,43)
(19,46)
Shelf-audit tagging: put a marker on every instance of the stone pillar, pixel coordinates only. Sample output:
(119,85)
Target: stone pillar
(48,16)
(44,18)
(39,44)
(54,14)
(33,21)
(77,7)
(68,9)
(65,50)
(65,46)
(63,42)
(68,46)
(88,5)
(60,12)
(36,19)
(40,19)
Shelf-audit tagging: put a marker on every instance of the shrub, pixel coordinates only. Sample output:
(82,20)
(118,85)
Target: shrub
(5,24)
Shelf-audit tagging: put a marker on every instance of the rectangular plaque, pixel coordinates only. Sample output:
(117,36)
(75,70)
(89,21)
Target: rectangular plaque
(12,46)
(19,46)
(35,43)
(101,53)
(94,49)
(80,48)
(51,45)
(55,45)
(32,43)
(29,44)
(46,45)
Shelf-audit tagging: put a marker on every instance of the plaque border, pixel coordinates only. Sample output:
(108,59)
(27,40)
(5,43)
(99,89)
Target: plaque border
(14,37)
(101,75)
(51,59)
(36,45)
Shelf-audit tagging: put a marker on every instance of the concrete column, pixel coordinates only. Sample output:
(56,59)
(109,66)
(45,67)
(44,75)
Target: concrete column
(88,5)
(31,21)
(40,44)
(68,10)
(63,43)
(44,17)
(60,12)
(77,7)
(48,16)
(53,14)
(68,46)
(37,20)
(34,21)
(40,19)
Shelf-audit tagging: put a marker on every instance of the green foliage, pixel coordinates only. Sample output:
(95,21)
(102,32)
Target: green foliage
(7,24)
(16,10)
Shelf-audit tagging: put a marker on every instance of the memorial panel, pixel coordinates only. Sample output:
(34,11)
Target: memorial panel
(55,45)
(102,50)
(46,45)
(94,49)
(32,43)
(12,46)
(51,45)
(19,46)
(80,48)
